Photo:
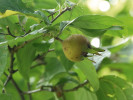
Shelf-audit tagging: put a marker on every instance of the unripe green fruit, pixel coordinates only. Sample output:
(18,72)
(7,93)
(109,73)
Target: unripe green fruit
(75,47)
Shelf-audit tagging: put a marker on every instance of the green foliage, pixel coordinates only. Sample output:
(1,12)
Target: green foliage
(95,25)
(113,88)
(32,60)
(89,70)
(6,97)
(80,94)
(14,6)
(32,35)
(3,55)
(25,57)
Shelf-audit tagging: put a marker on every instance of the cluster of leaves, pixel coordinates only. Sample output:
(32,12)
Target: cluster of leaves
(32,63)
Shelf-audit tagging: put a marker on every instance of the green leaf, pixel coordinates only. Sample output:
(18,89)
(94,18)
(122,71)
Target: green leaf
(14,5)
(63,78)
(63,24)
(30,36)
(124,68)
(44,95)
(89,71)
(96,22)
(114,88)
(25,57)
(3,55)
(96,25)
(53,67)
(1,86)
(80,94)
(43,46)
(6,97)
(44,17)
(127,20)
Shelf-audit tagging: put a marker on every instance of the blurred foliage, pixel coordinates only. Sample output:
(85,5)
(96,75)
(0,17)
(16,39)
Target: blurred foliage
(30,28)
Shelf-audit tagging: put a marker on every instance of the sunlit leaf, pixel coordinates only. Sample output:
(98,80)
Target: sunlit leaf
(89,71)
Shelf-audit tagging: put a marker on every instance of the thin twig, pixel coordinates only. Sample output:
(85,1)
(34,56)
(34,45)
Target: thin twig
(11,65)
(58,39)
(3,34)
(9,33)
(18,89)
(11,50)
(8,79)
(55,89)
(42,56)
(29,88)
(66,9)
(77,87)
(43,88)
(52,13)
(42,63)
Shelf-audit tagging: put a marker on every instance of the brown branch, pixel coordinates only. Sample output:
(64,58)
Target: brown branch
(55,89)
(52,14)
(58,39)
(66,9)
(41,56)
(77,87)
(3,34)
(18,89)
(11,66)
(9,77)
(9,33)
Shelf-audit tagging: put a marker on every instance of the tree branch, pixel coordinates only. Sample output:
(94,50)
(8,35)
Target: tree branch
(77,87)
(29,88)
(43,88)
(18,89)
(3,34)
(11,66)
(9,33)
(11,71)
(55,89)
(66,9)
(41,56)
